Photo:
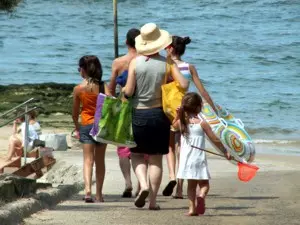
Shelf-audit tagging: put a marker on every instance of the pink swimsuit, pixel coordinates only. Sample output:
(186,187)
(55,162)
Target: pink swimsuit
(124,152)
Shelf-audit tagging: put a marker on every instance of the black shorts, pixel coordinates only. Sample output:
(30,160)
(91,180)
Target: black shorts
(151,130)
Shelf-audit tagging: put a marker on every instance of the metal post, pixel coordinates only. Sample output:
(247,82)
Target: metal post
(115,7)
(26,135)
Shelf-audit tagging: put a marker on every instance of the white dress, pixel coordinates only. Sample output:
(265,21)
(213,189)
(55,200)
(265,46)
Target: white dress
(192,161)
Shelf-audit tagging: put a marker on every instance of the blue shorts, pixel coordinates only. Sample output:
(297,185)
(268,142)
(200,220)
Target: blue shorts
(85,137)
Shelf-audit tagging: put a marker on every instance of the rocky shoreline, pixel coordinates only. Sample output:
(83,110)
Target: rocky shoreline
(52,97)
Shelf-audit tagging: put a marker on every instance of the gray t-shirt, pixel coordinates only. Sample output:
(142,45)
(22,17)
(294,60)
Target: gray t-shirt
(150,75)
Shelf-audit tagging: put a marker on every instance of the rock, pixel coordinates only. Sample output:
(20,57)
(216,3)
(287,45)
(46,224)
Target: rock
(63,173)
(12,187)
(52,97)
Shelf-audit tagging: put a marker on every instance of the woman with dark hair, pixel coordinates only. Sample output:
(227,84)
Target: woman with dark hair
(176,50)
(85,95)
(151,127)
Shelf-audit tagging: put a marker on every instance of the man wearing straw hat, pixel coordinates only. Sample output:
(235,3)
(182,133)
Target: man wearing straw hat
(151,127)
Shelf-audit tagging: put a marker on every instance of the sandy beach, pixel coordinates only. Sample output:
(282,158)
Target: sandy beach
(272,197)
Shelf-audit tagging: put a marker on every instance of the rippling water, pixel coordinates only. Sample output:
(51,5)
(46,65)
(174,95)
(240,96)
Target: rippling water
(247,52)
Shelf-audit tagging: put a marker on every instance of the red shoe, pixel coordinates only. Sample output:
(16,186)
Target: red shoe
(200,206)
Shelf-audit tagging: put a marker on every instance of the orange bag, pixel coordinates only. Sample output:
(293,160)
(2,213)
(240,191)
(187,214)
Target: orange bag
(172,94)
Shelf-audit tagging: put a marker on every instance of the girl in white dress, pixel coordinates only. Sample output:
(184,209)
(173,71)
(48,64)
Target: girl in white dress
(192,163)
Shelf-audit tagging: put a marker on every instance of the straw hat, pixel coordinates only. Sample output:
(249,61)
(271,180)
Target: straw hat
(152,39)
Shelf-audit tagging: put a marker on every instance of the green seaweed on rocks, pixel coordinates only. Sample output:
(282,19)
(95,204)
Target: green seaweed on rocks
(52,97)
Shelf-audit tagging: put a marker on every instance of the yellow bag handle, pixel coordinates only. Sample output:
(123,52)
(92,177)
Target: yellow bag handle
(168,69)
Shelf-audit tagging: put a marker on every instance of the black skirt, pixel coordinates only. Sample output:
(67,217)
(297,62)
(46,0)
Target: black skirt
(151,130)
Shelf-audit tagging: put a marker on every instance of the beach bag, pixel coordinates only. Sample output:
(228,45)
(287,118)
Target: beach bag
(172,94)
(115,125)
(98,111)
(56,141)
(97,116)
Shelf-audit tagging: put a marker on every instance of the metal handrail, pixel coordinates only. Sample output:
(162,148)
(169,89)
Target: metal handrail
(20,115)
(18,106)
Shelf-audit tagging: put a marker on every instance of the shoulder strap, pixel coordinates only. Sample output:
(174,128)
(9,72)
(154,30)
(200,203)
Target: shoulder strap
(168,69)
(200,118)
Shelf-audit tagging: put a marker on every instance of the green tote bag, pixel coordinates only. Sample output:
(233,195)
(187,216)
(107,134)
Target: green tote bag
(115,125)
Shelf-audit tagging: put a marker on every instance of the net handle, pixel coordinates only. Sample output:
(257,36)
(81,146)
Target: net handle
(213,153)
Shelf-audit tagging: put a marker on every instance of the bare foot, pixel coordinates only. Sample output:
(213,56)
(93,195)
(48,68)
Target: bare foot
(191,214)
(155,207)
(178,195)
(99,199)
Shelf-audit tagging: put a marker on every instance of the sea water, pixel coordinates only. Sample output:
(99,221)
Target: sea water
(247,53)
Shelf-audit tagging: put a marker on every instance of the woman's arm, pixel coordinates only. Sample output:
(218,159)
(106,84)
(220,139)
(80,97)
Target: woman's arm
(176,121)
(210,134)
(107,90)
(201,88)
(76,107)
(131,79)
(175,73)
(176,124)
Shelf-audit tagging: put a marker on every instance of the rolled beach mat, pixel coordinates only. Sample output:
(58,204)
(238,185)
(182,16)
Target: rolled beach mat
(210,115)
(237,139)
(231,133)
(223,113)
